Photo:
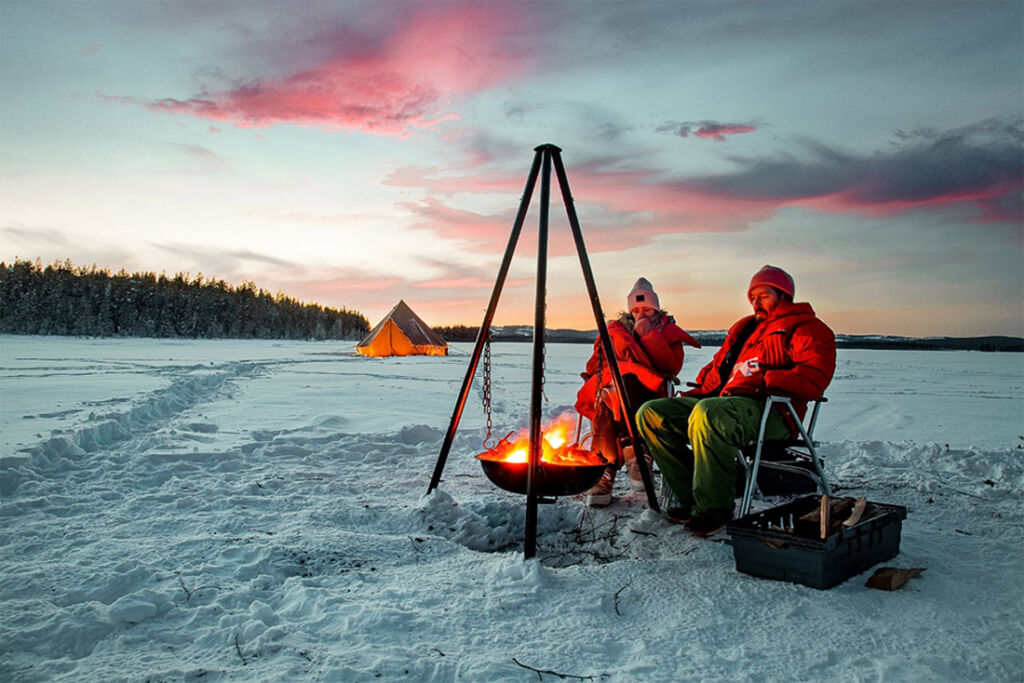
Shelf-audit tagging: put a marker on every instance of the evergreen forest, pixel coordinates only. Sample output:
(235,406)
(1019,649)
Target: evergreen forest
(62,299)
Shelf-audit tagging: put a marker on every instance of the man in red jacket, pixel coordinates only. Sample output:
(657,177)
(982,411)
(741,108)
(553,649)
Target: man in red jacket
(783,348)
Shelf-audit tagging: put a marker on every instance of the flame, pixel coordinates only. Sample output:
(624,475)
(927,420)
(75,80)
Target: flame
(518,455)
(555,447)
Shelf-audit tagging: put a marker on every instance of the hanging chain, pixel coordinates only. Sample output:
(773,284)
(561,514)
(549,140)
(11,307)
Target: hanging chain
(543,371)
(544,358)
(487,388)
(600,374)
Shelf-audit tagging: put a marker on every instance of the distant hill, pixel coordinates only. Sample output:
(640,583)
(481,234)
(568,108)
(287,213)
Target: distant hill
(877,341)
(989,343)
(524,333)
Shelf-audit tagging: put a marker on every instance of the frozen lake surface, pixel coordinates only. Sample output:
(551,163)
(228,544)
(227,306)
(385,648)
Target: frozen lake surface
(255,510)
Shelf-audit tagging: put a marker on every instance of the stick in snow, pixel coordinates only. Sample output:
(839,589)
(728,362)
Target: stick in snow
(540,672)
(238,649)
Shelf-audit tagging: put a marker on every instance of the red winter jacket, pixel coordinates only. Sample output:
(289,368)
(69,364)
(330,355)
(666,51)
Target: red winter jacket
(811,346)
(652,358)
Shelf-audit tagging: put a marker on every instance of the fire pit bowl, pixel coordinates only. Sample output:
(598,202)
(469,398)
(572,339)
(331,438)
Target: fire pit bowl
(553,479)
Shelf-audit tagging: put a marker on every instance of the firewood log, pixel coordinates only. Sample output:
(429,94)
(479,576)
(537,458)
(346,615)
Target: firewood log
(858,512)
(824,517)
(891,578)
(810,524)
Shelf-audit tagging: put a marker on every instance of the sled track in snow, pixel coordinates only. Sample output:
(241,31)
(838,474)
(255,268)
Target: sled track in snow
(155,411)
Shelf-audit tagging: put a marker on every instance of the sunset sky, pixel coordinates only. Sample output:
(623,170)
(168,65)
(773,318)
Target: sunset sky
(357,153)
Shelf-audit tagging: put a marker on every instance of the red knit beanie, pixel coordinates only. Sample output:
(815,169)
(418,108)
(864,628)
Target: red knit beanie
(774,277)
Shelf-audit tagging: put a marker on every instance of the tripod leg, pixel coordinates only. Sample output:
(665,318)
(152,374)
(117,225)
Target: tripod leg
(485,326)
(537,384)
(606,343)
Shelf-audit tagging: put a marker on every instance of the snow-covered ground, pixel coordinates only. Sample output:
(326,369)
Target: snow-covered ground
(251,510)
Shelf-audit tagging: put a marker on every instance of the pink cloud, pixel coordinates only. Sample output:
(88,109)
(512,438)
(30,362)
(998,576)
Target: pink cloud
(617,208)
(473,181)
(460,283)
(626,206)
(361,283)
(666,201)
(708,130)
(985,200)
(455,296)
(976,166)
(718,132)
(402,84)
(451,223)
(458,294)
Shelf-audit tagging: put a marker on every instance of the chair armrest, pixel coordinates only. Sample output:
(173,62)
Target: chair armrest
(779,398)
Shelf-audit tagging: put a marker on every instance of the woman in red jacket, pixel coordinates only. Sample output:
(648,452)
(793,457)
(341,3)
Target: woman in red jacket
(649,350)
(783,348)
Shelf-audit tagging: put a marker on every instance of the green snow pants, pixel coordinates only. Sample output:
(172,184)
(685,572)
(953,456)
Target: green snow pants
(703,479)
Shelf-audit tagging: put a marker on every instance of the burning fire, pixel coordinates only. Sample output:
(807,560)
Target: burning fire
(555,446)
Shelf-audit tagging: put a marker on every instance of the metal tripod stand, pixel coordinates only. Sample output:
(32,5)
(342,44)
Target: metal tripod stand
(545,157)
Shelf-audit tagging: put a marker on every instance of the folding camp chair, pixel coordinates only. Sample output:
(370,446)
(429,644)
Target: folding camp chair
(796,456)
(794,463)
(582,436)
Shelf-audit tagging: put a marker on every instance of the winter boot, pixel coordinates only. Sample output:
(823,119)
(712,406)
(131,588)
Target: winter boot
(601,494)
(636,479)
(678,515)
(709,522)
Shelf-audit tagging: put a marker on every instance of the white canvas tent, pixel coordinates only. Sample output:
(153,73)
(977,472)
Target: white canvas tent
(402,333)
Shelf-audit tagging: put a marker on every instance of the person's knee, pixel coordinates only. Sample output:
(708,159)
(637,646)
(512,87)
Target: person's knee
(702,413)
(705,418)
(649,414)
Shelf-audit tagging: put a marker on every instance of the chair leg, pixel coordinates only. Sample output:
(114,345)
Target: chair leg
(809,443)
(748,490)
(665,495)
(753,468)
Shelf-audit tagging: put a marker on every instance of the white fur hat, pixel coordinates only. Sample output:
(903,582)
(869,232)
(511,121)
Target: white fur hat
(642,296)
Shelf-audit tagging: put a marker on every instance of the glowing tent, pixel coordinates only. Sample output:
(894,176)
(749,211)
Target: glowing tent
(402,333)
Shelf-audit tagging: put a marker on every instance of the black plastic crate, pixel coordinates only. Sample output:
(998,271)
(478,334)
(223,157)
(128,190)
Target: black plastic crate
(772,554)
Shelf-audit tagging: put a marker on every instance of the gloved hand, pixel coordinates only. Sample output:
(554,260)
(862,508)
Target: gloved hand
(775,352)
(646,323)
(642,327)
(747,368)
